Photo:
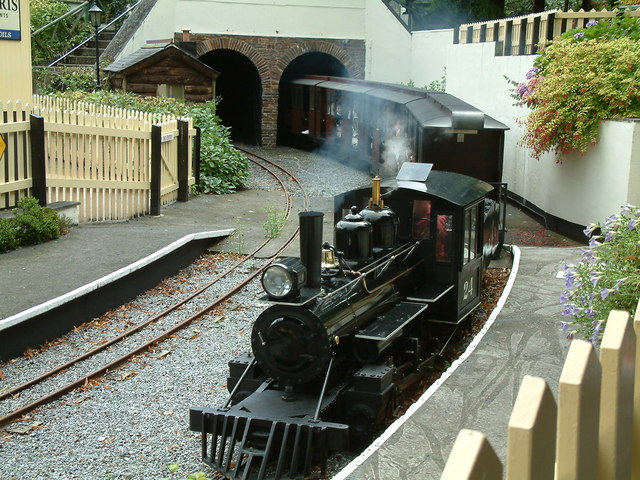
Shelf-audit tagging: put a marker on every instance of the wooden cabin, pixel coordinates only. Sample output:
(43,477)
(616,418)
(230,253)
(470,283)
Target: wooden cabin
(165,70)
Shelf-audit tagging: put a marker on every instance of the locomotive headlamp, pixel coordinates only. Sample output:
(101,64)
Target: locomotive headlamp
(284,278)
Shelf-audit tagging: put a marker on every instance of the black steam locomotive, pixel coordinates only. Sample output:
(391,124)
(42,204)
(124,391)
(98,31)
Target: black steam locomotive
(352,323)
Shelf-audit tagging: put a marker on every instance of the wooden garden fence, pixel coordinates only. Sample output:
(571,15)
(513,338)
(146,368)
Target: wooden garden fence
(592,433)
(525,35)
(117,163)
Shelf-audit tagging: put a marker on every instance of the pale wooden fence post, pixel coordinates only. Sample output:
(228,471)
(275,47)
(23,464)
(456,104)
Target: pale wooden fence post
(38,159)
(617,359)
(579,405)
(472,458)
(532,432)
(635,454)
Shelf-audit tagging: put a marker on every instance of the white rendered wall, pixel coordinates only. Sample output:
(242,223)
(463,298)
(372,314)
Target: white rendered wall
(429,55)
(272,18)
(388,46)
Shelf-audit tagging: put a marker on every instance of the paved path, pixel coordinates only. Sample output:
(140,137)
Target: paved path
(525,339)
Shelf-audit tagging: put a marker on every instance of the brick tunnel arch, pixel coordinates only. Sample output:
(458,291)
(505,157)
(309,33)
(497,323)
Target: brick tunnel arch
(270,57)
(239,87)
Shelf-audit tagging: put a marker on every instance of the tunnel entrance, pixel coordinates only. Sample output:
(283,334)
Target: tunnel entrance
(240,90)
(315,63)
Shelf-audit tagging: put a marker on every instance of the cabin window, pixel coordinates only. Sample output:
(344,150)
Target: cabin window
(421,225)
(444,237)
(171,91)
(470,234)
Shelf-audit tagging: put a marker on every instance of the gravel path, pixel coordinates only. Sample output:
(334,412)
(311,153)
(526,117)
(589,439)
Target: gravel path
(134,422)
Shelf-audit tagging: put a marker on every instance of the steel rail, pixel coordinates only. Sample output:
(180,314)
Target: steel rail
(154,341)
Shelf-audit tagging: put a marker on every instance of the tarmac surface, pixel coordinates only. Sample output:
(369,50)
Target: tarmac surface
(524,338)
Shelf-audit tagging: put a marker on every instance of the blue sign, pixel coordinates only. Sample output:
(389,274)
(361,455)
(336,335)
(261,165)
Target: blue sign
(10,20)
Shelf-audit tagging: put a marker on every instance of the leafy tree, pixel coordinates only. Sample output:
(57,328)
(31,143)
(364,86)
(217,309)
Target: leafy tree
(54,41)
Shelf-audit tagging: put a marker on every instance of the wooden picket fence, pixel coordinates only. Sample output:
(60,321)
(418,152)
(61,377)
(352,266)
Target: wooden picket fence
(593,431)
(117,163)
(525,35)
(15,167)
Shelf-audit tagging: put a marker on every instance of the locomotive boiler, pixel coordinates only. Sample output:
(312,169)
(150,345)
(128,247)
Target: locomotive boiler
(351,323)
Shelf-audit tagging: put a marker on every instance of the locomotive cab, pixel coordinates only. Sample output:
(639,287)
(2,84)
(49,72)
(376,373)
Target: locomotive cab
(445,212)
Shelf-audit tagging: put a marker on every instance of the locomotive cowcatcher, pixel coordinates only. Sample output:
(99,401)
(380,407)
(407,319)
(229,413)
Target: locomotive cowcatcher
(352,324)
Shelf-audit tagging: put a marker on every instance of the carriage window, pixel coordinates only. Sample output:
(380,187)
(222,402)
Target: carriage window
(470,234)
(421,226)
(444,240)
(297,97)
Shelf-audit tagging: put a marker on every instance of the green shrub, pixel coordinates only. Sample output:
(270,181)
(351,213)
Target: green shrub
(31,224)
(62,79)
(607,276)
(35,224)
(223,169)
(588,75)
(8,235)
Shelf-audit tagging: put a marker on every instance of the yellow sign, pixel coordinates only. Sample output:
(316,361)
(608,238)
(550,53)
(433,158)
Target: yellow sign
(3,145)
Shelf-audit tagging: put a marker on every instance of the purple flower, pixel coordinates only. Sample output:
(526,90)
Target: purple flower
(590,312)
(632,223)
(522,89)
(578,35)
(532,73)
(564,326)
(569,278)
(604,293)
(589,230)
(570,310)
(595,276)
(566,295)
(619,282)
(592,23)
(610,220)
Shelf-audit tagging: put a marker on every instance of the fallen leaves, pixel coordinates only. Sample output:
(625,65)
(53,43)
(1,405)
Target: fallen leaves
(24,429)
(128,375)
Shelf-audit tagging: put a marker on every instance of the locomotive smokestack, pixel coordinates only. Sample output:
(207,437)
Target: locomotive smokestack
(311,245)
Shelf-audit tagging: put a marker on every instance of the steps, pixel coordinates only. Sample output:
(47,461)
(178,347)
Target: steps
(86,55)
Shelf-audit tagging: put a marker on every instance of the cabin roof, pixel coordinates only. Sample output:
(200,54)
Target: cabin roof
(151,54)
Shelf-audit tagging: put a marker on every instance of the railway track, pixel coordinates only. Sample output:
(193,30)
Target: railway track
(150,328)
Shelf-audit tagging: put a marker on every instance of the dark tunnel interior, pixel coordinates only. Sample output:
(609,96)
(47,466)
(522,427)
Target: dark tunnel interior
(240,90)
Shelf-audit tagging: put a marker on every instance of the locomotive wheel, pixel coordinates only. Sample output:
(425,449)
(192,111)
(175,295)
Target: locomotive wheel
(361,420)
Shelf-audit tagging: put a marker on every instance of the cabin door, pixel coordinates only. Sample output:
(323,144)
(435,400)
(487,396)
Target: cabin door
(471,273)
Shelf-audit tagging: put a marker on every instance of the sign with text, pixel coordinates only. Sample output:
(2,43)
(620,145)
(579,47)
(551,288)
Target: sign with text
(10,20)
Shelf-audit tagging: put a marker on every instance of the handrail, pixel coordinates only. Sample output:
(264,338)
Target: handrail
(73,11)
(100,30)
